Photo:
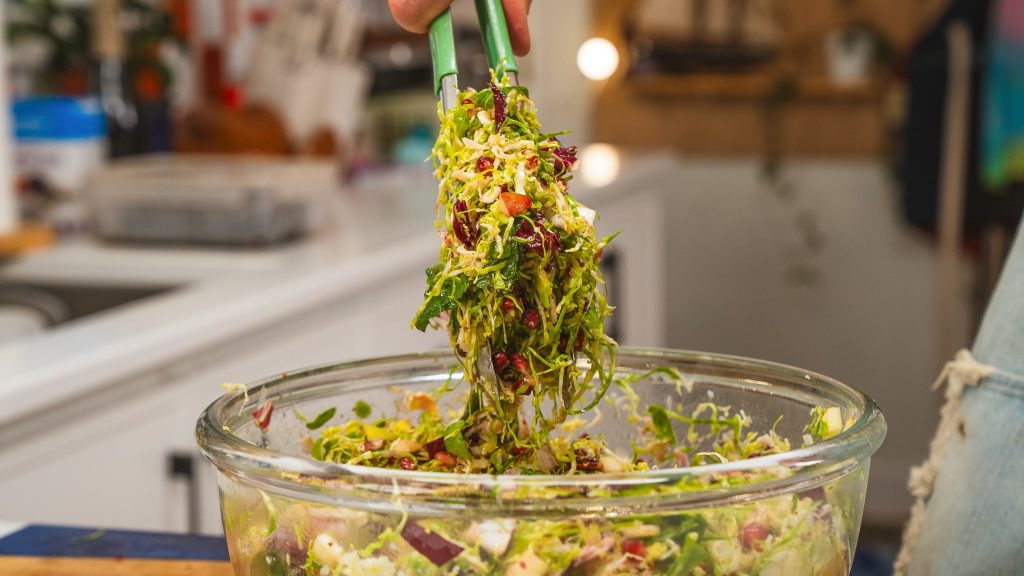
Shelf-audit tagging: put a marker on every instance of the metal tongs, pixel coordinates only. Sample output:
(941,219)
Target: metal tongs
(500,57)
(494,31)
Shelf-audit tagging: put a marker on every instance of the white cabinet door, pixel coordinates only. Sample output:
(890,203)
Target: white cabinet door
(107,461)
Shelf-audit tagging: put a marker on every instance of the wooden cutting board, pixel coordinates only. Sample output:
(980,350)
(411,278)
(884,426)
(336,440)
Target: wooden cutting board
(37,566)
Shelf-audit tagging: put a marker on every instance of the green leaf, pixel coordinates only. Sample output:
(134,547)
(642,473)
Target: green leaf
(462,121)
(607,239)
(433,309)
(362,410)
(432,273)
(484,99)
(662,424)
(318,449)
(321,419)
(456,444)
(451,291)
(511,266)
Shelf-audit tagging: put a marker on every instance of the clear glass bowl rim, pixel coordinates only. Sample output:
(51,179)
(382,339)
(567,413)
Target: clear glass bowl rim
(341,484)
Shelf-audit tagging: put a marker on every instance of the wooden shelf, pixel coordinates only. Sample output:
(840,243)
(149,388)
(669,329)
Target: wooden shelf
(746,86)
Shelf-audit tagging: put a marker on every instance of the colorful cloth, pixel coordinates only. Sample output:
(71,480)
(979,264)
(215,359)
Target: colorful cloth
(1002,146)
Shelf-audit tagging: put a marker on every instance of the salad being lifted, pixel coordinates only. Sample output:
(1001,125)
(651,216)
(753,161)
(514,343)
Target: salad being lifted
(518,287)
(518,284)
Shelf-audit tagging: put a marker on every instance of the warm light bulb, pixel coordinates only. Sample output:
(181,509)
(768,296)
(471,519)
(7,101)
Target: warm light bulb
(599,164)
(597,59)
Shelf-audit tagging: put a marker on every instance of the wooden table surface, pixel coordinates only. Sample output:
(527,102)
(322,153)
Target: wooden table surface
(39,566)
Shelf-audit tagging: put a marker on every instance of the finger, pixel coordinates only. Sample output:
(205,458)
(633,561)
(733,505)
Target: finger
(416,15)
(518,26)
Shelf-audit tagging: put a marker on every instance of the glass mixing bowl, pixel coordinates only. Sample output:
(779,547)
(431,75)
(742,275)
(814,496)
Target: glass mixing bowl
(793,513)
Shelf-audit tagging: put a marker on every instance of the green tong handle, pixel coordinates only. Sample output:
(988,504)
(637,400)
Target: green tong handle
(442,48)
(495,33)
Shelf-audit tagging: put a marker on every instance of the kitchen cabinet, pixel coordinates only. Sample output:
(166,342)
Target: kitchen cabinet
(104,455)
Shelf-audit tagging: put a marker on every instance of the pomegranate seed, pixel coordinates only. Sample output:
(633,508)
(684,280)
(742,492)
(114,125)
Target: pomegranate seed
(262,415)
(634,548)
(519,362)
(466,101)
(500,361)
(371,445)
(580,340)
(508,305)
(752,534)
(407,464)
(563,343)
(499,107)
(446,459)
(520,450)
(531,318)
(484,163)
(524,386)
(531,162)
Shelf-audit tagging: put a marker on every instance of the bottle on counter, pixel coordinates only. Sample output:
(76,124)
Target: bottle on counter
(115,94)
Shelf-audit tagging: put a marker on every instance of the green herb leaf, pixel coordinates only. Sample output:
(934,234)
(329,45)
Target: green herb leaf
(511,266)
(662,424)
(484,99)
(451,291)
(321,419)
(456,444)
(362,409)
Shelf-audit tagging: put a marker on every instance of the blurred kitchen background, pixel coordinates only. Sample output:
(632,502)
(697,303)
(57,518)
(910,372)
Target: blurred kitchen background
(208,191)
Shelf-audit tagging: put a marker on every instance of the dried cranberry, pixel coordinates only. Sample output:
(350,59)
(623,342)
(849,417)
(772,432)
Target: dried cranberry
(431,545)
(563,343)
(519,362)
(581,339)
(565,158)
(262,415)
(499,106)
(531,162)
(508,304)
(531,318)
(537,237)
(752,534)
(500,361)
(635,548)
(484,163)
(525,231)
(519,450)
(434,446)
(586,462)
(407,464)
(461,226)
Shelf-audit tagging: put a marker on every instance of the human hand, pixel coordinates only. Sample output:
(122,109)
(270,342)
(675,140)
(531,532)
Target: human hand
(416,16)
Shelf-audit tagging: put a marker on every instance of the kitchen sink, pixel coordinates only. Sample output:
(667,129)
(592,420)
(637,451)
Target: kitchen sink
(27,307)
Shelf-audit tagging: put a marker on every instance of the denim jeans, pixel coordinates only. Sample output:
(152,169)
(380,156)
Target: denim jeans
(971,516)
